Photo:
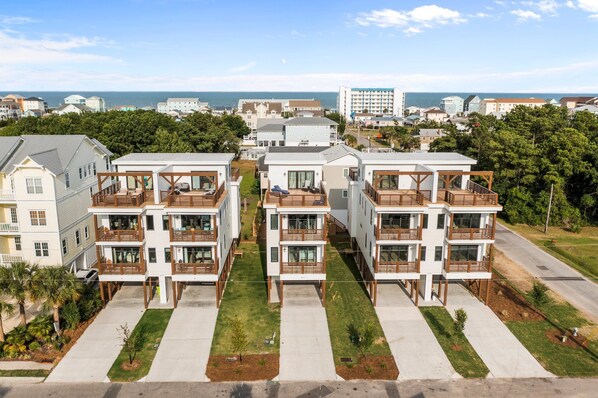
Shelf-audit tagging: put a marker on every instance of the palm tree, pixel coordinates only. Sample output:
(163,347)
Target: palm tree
(8,309)
(16,281)
(56,286)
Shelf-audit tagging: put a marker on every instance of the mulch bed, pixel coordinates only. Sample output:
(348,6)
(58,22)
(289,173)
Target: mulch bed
(253,367)
(373,368)
(554,336)
(508,304)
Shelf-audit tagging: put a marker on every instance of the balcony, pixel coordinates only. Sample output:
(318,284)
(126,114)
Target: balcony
(302,234)
(474,195)
(303,268)
(202,198)
(236,173)
(114,196)
(122,268)
(193,235)
(398,233)
(396,197)
(396,267)
(354,174)
(118,235)
(207,268)
(470,233)
(7,259)
(7,195)
(9,227)
(468,266)
(298,198)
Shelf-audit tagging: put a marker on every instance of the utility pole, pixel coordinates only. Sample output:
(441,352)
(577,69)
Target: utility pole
(549,206)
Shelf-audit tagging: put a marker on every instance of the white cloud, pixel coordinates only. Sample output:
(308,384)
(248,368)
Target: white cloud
(411,22)
(588,5)
(13,20)
(525,15)
(297,33)
(544,6)
(594,16)
(284,61)
(18,49)
(242,68)
(480,15)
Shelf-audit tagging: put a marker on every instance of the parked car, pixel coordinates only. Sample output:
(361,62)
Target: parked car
(88,276)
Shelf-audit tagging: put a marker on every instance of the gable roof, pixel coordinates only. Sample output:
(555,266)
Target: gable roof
(49,159)
(471,98)
(271,128)
(338,151)
(81,107)
(310,121)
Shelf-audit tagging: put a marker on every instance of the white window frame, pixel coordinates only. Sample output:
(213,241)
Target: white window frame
(78,237)
(39,221)
(34,185)
(18,244)
(86,232)
(65,246)
(346,172)
(344,193)
(41,249)
(14,217)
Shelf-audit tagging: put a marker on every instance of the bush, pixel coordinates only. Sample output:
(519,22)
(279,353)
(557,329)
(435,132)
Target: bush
(16,342)
(35,346)
(538,294)
(362,339)
(255,188)
(90,303)
(70,314)
(41,329)
(460,319)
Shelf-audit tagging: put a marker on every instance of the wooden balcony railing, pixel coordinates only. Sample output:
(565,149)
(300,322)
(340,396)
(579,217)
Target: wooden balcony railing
(468,266)
(302,234)
(194,235)
(354,174)
(122,268)
(474,195)
(194,268)
(396,198)
(119,235)
(298,198)
(398,233)
(112,196)
(192,199)
(235,174)
(395,267)
(471,233)
(303,268)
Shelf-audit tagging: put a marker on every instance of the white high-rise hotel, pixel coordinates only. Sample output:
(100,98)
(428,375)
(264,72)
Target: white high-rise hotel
(379,101)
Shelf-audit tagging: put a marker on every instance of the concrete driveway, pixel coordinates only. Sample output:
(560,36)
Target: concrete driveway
(185,348)
(305,348)
(500,350)
(573,286)
(414,347)
(90,359)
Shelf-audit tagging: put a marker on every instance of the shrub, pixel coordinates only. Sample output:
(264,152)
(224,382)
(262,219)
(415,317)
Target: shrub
(90,303)
(16,342)
(539,294)
(362,340)
(255,188)
(70,314)
(35,346)
(460,319)
(238,336)
(41,328)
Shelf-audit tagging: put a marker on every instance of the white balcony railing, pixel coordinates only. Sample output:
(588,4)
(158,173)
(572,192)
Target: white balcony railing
(7,259)
(6,195)
(9,227)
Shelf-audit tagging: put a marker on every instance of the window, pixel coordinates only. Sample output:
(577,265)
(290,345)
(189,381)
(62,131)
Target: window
(302,254)
(107,163)
(18,243)
(95,170)
(86,232)
(345,172)
(13,215)
(197,255)
(149,222)
(303,221)
(38,217)
(80,173)
(90,191)
(165,223)
(125,255)
(394,253)
(65,248)
(273,222)
(395,221)
(464,253)
(78,237)
(34,185)
(274,254)
(67,180)
(422,253)
(466,220)
(151,254)
(371,216)
(301,179)
(425,224)
(344,194)
(89,169)
(41,249)
(167,255)
(440,224)
(386,181)
(438,253)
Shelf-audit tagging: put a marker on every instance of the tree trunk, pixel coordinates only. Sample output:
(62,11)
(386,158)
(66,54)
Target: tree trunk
(1,330)
(22,313)
(56,311)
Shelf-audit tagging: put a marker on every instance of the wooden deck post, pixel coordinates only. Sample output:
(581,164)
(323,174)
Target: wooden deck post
(281,293)
(375,293)
(102,294)
(417,293)
(445,291)
(323,290)
(110,291)
(269,287)
(217,294)
(439,293)
(488,282)
(145,300)
(411,289)
(174,293)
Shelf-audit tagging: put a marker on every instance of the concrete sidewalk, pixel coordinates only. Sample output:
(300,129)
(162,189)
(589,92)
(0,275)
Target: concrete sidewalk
(185,348)
(305,348)
(500,350)
(414,347)
(90,359)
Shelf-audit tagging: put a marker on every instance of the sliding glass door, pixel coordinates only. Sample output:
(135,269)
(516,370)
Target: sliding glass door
(301,179)
(302,254)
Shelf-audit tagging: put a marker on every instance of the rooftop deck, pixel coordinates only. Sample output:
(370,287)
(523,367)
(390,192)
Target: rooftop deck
(298,198)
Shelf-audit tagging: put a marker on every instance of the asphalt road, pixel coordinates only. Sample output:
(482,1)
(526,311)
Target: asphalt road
(558,276)
(549,387)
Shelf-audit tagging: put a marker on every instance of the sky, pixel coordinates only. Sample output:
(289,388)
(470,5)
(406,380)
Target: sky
(219,45)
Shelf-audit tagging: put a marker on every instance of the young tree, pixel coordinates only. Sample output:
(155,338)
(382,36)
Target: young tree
(460,319)
(362,339)
(539,294)
(56,286)
(8,309)
(132,342)
(16,281)
(239,338)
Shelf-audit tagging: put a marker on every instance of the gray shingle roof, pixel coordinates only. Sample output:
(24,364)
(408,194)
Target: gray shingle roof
(296,149)
(310,121)
(271,128)
(49,159)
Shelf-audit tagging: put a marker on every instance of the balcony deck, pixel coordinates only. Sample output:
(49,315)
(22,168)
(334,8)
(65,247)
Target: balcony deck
(194,235)
(398,233)
(396,267)
(200,198)
(122,268)
(194,268)
(9,227)
(114,196)
(297,198)
(108,235)
(303,268)
(470,233)
(302,234)
(396,197)
(7,259)
(485,265)
(474,195)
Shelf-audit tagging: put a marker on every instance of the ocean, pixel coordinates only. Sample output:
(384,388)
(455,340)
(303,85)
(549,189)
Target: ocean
(230,99)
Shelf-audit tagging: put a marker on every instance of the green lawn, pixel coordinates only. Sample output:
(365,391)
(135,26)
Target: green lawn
(247,170)
(347,302)
(24,373)
(578,250)
(246,297)
(455,345)
(154,321)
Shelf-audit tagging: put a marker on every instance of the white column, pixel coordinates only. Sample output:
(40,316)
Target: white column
(163,289)
(425,286)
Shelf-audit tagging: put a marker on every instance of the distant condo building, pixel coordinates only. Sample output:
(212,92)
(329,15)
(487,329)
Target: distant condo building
(504,105)
(179,107)
(252,110)
(82,104)
(378,101)
(75,99)
(34,105)
(452,105)
(96,104)
(574,102)
(472,104)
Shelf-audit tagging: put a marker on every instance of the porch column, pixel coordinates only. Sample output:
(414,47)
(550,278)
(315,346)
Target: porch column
(375,293)
(323,291)
(102,294)
(269,288)
(174,293)
(217,294)
(445,291)
(163,289)
(417,293)
(488,283)
(145,301)
(281,293)
(427,286)
(110,291)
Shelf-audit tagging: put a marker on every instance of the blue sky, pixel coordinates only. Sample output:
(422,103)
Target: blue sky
(203,45)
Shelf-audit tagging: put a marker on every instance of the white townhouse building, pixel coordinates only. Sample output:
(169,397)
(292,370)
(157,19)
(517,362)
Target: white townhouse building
(96,104)
(75,99)
(504,105)
(421,219)
(9,110)
(181,106)
(46,184)
(35,104)
(72,108)
(377,101)
(167,220)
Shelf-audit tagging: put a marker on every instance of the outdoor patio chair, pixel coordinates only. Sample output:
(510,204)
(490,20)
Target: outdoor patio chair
(280,190)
